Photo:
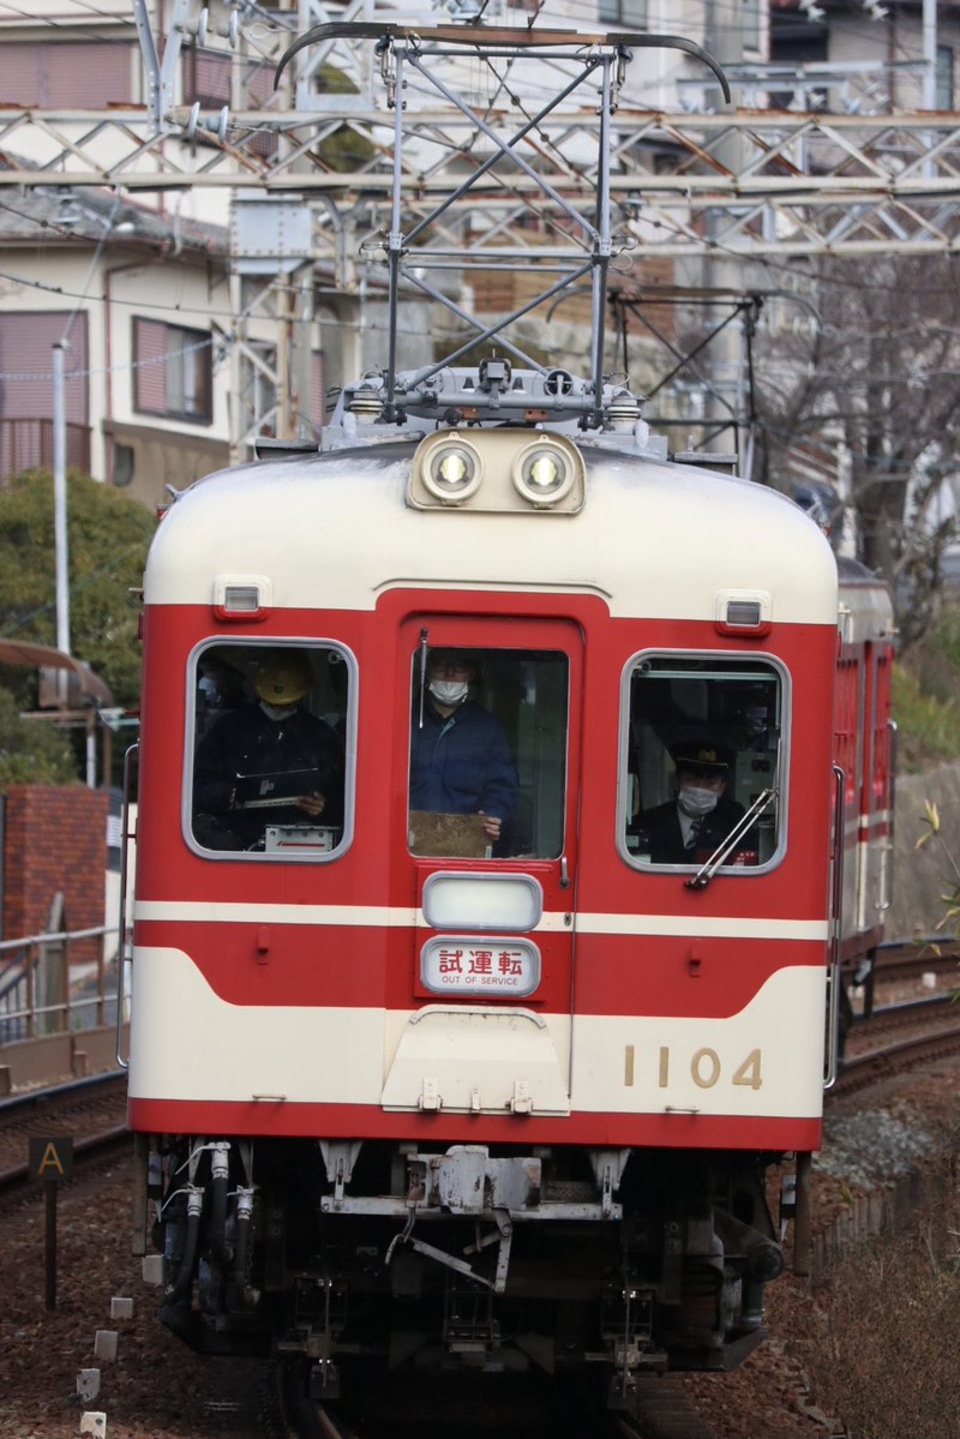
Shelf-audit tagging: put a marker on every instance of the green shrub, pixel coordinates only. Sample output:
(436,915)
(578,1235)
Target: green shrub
(928,726)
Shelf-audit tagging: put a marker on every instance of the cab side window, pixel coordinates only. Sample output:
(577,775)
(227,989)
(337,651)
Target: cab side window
(268,770)
(702,758)
(488,753)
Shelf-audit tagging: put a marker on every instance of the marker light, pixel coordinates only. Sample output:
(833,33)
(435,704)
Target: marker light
(543,474)
(746,614)
(242,597)
(453,472)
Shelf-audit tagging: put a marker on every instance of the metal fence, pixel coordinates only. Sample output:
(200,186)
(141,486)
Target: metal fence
(44,990)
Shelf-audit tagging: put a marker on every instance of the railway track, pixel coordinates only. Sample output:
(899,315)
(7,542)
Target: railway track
(91,1111)
(905,959)
(241,1400)
(531,1407)
(880,1063)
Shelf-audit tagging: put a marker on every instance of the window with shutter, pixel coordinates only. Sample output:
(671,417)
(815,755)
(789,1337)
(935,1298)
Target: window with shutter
(81,74)
(26,389)
(173,371)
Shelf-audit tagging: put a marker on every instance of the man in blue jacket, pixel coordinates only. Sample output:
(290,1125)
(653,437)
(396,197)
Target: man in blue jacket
(460,760)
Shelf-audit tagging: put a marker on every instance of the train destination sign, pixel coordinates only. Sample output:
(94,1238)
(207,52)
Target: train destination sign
(455,965)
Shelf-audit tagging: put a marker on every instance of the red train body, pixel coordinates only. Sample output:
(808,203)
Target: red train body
(409,1092)
(414,1099)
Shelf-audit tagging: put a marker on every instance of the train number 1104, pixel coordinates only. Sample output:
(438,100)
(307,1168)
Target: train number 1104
(706,1069)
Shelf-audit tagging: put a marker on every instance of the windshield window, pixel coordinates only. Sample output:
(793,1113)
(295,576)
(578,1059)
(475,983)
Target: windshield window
(488,753)
(268,749)
(703,743)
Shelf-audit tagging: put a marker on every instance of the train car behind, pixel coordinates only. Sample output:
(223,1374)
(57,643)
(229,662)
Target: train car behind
(865,749)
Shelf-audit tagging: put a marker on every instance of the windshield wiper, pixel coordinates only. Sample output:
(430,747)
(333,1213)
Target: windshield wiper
(708,869)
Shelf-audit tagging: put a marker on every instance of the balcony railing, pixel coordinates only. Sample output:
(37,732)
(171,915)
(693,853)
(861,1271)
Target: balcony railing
(28,445)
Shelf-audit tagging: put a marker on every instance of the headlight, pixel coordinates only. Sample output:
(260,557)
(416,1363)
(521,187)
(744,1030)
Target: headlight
(543,474)
(452,472)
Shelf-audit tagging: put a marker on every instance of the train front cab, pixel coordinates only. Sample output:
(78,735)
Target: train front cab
(516,1099)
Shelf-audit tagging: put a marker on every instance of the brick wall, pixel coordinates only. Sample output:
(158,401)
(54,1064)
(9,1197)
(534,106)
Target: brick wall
(55,840)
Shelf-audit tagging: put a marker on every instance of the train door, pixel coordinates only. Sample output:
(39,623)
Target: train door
(848,755)
(493,765)
(875,806)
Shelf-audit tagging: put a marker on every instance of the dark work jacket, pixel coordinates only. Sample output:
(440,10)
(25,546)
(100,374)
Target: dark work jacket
(246,741)
(662,838)
(462,764)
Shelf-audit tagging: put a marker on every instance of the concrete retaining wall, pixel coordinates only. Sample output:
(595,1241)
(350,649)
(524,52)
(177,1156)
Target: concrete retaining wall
(922,876)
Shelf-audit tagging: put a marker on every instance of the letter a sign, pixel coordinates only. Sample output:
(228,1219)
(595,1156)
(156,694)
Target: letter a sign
(51,1160)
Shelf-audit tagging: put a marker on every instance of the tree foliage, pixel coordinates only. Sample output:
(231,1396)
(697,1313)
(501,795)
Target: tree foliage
(875,386)
(107,539)
(32,751)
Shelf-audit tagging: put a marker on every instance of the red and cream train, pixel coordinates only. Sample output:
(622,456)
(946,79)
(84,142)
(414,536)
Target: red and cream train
(405,1100)
(404,1097)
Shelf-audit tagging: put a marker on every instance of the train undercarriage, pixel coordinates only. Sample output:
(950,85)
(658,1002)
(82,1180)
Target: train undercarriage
(355,1254)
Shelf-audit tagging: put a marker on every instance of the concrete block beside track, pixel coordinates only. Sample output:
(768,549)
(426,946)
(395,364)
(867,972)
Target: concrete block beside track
(105,1346)
(88,1385)
(152,1269)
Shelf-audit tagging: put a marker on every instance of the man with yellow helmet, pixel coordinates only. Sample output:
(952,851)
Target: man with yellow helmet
(268,762)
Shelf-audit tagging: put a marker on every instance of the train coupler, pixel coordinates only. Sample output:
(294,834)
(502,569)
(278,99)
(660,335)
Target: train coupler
(324,1381)
(470,1329)
(627,1329)
(500,1235)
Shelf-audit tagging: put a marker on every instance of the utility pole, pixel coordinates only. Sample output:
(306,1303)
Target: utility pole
(929,101)
(60,543)
(724,274)
(60,506)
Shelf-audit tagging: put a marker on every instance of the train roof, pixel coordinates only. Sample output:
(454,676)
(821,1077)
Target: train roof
(335,530)
(852,572)
(866,609)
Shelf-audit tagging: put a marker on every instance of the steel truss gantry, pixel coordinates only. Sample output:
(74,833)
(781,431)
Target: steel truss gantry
(742,185)
(751,183)
(801,184)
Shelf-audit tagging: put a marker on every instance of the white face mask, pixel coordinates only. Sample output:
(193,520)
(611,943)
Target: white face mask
(276,712)
(449,692)
(695,802)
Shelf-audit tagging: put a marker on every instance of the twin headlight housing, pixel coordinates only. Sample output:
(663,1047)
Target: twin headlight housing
(498,470)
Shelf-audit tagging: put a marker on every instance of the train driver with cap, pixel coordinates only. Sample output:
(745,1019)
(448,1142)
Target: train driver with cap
(688,828)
